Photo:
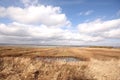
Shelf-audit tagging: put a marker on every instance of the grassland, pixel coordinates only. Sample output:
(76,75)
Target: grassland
(20,63)
(78,52)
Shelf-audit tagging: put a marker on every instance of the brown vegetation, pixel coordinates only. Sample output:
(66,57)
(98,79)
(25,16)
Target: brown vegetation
(82,53)
(18,63)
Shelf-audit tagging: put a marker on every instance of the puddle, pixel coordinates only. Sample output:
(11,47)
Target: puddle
(51,59)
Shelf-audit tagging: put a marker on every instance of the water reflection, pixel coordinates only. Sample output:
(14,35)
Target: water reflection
(65,59)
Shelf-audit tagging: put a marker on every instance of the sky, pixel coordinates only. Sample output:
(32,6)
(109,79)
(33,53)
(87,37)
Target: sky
(60,22)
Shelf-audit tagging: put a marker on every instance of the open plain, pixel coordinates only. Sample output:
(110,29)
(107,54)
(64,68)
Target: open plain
(59,63)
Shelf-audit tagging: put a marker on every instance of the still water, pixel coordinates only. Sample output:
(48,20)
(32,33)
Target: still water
(65,59)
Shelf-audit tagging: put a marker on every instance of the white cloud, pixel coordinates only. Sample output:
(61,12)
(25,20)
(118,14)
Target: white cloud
(98,26)
(103,29)
(29,2)
(48,15)
(86,13)
(113,33)
(22,32)
(118,13)
(89,12)
(2,12)
(39,24)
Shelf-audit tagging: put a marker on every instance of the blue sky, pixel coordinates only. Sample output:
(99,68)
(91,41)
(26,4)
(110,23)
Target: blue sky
(70,22)
(105,9)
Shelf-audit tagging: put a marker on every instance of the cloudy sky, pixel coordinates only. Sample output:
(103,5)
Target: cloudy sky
(60,22)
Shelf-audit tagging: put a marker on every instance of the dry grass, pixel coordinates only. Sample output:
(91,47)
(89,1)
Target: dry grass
(20,68)
(21,64)
(82,53)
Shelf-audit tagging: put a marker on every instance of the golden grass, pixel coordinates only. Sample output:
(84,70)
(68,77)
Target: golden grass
(18,63)
(20,68)
(82,53)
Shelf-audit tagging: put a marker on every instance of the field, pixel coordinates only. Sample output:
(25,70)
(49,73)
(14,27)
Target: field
(34,63)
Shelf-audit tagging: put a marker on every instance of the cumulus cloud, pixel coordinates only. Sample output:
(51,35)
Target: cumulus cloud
(48,15)
(39,24)
(113,33)
(2,12)
(105,29)
(41,33)
(98,25)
